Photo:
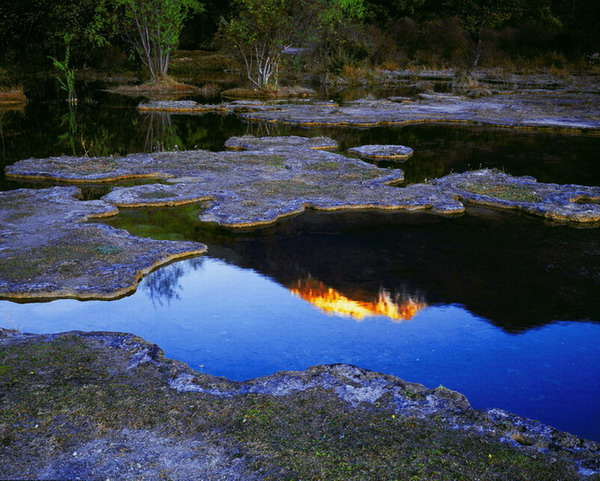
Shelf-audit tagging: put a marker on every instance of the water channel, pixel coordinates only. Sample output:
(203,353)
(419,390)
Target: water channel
(500,306)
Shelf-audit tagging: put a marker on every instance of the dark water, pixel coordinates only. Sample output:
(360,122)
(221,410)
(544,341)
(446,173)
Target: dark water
(500,306)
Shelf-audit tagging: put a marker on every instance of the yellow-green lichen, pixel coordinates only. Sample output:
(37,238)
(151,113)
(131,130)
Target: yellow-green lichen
(511,192)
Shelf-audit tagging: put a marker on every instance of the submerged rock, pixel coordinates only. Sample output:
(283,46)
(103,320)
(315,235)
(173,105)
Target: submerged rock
(48,250)
(108,405)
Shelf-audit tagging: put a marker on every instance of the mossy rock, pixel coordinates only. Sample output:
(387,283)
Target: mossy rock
(98,405)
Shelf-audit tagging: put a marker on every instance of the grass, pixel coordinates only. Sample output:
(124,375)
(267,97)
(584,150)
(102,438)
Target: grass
(281,92)
(165,85)
(510,192)
(194,61)
(325,166)
(12,94)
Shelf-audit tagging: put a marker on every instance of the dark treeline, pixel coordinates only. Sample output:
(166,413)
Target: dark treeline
(396,33)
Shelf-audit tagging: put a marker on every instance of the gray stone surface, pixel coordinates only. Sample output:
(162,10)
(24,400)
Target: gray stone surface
(550,110)
(282,176)
(387,152)
(250,142)
(566,202)
(254,187)
(48,250)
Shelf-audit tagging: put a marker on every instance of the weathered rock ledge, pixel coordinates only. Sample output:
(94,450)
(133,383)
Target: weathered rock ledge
(108,405)
(496,189)
(281,176)
(48,250)
(275,177)
(526,110)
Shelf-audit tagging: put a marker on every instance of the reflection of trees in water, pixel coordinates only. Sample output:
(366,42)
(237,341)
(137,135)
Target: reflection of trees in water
(163,284)
(79,139)
(69,138)
(3,111)
(160,132)
(263,129)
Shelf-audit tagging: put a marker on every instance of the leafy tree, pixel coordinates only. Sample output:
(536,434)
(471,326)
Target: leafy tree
(151,27)
(262,29)
(475,15)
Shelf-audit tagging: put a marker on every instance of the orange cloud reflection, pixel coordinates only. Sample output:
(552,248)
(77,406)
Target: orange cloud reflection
(331,301)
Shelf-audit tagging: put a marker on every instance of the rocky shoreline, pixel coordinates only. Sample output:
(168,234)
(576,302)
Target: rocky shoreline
(109,405)
(49,250)
(541,110)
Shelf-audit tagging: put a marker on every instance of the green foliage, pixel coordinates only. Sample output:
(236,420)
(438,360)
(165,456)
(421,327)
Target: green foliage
(382,11)
(259,33)
(35,29)
(66,76)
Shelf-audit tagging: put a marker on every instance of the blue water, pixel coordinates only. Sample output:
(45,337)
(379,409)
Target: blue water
(234,322)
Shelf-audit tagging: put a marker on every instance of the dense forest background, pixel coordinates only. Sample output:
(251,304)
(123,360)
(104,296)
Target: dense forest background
(394,34)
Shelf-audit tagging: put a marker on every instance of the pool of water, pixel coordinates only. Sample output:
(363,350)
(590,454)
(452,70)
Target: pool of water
(500,306)
(234,322)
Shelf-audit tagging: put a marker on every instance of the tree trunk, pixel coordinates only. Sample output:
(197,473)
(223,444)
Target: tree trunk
(476,37)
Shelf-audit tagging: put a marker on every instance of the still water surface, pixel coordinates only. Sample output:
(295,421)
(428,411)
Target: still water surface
(502,307)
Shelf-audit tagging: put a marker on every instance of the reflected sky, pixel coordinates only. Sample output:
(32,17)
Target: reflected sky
(234,322)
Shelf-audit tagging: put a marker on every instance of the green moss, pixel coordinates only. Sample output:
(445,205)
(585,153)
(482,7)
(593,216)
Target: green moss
(108,249)
(66,258)
(316,437)
(66,391)
(260,159)
(291,188)
(510,192)
(85,166)
(325,166)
